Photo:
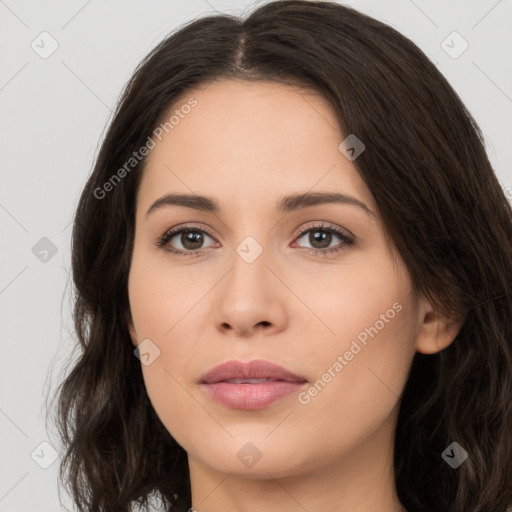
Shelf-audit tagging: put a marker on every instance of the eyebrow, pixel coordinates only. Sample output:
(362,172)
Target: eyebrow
(285,204)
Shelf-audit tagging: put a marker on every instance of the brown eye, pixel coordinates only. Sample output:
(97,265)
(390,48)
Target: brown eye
(321,237)
(184,241)
(191,240)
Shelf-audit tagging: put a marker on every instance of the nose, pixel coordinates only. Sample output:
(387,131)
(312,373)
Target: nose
(251,299)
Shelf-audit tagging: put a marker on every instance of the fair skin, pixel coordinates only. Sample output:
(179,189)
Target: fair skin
(246,145)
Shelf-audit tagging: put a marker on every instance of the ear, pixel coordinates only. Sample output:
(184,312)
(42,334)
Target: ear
(436,331)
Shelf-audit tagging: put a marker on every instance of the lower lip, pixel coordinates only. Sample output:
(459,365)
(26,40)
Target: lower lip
(251,396)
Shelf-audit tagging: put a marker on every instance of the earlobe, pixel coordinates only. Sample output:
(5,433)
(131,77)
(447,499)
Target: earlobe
(436,331)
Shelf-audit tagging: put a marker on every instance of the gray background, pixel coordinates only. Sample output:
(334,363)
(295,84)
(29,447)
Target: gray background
(54,112)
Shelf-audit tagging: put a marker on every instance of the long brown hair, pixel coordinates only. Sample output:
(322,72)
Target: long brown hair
(440,202)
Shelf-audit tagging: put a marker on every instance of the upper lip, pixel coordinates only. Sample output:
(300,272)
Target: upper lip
(256,369)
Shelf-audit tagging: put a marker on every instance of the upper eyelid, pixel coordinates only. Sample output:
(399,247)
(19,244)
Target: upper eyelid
(325,225)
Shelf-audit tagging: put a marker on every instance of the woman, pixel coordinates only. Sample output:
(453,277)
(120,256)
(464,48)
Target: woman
(293,280)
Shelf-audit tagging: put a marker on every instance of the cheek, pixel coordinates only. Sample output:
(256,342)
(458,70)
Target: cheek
(364,300)
(356,386)
(161,295)
(159,303)
(365,350)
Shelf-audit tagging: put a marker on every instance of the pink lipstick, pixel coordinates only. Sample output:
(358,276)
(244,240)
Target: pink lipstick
(252,385)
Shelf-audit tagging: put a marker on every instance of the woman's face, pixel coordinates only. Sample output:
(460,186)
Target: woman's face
(248,286)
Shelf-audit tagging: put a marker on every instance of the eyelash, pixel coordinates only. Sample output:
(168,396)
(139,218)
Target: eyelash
(347,239)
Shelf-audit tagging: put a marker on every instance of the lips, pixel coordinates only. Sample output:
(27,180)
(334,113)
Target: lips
(257,369)
(252,385)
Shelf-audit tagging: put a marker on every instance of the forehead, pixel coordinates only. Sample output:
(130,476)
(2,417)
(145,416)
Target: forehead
(251,141)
